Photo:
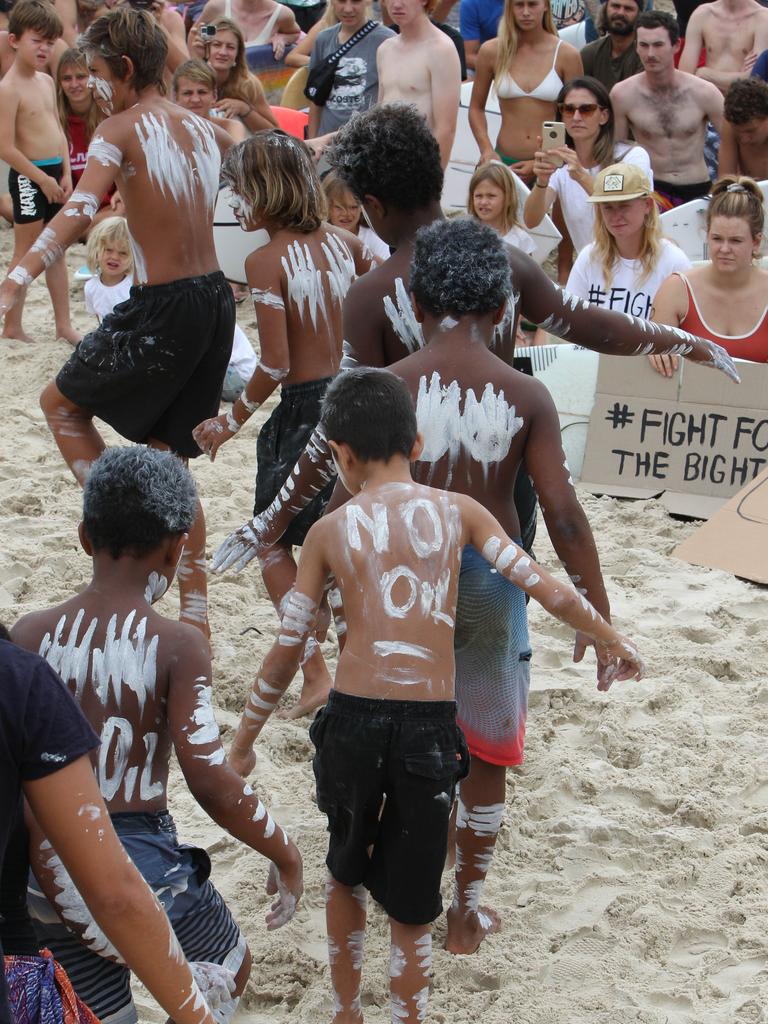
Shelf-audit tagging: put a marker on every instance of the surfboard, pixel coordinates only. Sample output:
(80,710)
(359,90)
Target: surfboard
(461,166)
(233,245)
(686,226)
(570,375)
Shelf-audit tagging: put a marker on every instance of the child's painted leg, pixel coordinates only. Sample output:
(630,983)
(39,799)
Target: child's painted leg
(58,287)
(279,571)
(193,577)
(345,913)
(410,966)
(478,819)
(23,237)
(73,431)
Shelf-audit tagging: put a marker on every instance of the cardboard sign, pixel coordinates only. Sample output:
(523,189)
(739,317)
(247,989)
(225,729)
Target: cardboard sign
(693,440)
(736,537)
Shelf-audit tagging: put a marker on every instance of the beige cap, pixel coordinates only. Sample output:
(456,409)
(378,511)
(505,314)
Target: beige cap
(619,183)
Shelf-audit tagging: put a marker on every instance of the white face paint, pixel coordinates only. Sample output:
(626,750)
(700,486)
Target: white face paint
(482,429)
(20,276)
(387,648)
(102,90)
(104,152)
(403,319)
(177,175)
(242,211)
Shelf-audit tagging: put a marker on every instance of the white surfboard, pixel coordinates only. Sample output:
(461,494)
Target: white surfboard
(686,226)
(233,245)
(570,375)
(464,157)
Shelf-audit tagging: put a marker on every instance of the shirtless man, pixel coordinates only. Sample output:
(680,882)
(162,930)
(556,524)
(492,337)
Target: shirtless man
(390,724)
(744,139)
(144,684)
(259,20)
(420,66)
(155,368)
(667,111)
(733,33)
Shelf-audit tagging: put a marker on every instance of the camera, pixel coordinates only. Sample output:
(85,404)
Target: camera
(141,5)
(207,32)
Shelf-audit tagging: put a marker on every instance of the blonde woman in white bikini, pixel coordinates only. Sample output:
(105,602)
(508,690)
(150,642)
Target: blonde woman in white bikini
(528,65)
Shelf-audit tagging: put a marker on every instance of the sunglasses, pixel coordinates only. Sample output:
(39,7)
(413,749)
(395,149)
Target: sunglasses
(581,108)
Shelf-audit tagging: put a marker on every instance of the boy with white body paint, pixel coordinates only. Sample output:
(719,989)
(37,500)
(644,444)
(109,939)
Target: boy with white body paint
(34,146)
(389,728)
(298,282)
(154,368)
(144,684)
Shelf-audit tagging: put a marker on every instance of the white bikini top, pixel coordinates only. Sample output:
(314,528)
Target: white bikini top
(266,33)
(547,89)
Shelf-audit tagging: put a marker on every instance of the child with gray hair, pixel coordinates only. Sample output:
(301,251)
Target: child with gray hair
(144,684)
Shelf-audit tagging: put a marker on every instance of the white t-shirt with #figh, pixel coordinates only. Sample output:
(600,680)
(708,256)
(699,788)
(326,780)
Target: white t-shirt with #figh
(628,291)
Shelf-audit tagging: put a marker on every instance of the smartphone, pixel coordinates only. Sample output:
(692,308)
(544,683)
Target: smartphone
(552,137)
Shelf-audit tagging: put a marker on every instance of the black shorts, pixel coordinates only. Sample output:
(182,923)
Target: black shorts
(306,17)
(29,201)
(154,367)
(669,195)
(411,752)
(281,441)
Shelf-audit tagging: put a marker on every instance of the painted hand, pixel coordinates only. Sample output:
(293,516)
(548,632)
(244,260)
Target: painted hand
(211,434)
(709,354)
(288,885)
(217,985)
(620,659)
(239,547)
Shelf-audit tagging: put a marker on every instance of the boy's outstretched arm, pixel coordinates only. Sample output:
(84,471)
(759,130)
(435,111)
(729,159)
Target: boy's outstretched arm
(297,625)
(217,788)
(605,330)
(561,600)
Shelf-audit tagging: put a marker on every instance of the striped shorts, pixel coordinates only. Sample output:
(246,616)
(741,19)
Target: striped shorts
(178,875)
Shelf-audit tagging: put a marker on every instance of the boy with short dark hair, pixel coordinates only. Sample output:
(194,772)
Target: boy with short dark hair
(389,728)
(144,684)
(33,144)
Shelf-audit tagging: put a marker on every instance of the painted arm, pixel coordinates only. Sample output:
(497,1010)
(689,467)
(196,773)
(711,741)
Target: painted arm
(264,279)
(694,43)
(478,122)
(616,654)
(217,788)
(670,304)
(445,75)
(275,673)
(94,864)
(104,160)
(605,330)
(728,158)
(363,346)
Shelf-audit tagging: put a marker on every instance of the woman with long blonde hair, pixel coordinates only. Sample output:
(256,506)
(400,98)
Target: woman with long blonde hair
(239,92)
(527,64)
(625,265)
(725,299)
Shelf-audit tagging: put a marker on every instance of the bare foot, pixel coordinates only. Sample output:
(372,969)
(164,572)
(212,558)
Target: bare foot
(313,695)
(68,333)
(17,336)
(466,931)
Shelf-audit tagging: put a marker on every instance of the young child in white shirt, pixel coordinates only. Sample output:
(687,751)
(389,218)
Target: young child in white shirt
(108,255)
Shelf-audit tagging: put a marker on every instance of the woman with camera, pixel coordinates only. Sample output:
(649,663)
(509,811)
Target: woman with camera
(239,93)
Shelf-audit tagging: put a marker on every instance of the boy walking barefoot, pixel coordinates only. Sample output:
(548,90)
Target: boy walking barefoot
(33,145)
(389,729)
(144,684)
(155,367)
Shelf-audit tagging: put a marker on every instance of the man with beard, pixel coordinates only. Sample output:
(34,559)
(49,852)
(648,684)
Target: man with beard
(613,57)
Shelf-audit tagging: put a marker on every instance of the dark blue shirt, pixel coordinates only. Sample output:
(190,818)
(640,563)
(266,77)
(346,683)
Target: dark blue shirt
(760,67)
(479,19)
(42,730)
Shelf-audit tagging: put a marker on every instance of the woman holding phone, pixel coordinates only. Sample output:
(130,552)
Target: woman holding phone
(527,64)
(568,172)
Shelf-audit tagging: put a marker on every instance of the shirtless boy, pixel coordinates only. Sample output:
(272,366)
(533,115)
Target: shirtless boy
(733,33)
(144,684)
(298,282)
(744,140)
(420,66)
(667,111)
(154,368)
(391,162)
(33,144)
(389,728)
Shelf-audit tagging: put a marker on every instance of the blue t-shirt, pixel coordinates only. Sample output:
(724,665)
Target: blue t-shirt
(479,19)
(42,730)
(760,67)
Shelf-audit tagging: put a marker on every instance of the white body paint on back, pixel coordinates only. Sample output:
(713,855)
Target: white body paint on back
(402,318)
(377,526)
(306,282)
(73,910)
(170,169)
(387,648)
(482,429)
(207,730)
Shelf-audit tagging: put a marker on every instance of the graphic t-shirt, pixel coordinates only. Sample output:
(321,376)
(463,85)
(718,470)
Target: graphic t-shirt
(628,291)
(42,730)
(356,82)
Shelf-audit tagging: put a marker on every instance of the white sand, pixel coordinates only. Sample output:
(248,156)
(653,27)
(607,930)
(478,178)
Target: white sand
(631,869)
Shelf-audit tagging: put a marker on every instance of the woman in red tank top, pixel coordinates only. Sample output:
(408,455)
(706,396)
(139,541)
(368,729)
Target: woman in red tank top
(726,299)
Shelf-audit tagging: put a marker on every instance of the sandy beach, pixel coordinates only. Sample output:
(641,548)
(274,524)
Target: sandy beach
(632,868)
